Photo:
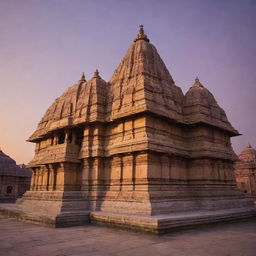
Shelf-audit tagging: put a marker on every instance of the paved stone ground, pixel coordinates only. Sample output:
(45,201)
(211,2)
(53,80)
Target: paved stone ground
(25,239)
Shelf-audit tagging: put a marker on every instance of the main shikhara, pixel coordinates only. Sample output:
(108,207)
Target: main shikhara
(134,152)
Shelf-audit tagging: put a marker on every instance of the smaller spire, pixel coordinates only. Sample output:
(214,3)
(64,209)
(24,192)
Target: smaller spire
(83,78)
(248,146)
(96,74)
(141,35)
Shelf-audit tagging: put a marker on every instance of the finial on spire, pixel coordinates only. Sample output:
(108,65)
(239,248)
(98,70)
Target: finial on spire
(141,35)
(96,74)
(141,29)
(83,77)
(197,83)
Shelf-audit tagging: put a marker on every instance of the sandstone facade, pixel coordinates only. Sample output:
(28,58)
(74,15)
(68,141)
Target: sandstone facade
(14,179)
(133,149)
(245,171)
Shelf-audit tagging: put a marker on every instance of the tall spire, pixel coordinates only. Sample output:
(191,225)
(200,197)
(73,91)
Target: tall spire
(141,35)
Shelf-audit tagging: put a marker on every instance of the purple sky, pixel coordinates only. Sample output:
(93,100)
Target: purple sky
(45,45)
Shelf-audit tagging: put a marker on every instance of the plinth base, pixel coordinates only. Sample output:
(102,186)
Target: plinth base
(165,223)
(157,224)
(57,220)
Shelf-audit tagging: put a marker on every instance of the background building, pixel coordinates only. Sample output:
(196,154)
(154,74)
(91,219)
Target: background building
(245,171)
(14,179)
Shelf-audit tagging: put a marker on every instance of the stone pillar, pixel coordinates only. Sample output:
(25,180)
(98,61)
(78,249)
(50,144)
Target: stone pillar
(127,168)
(51,186)
(40,178)
(134,159)
(107,170)
(48,177)
(154,168)
(32,182)
(36,178)
(60,177)
(45,179)
(116,173)
(67,132)
(55,139)
(85,174)
(54,184)
(141,170)
(95,171)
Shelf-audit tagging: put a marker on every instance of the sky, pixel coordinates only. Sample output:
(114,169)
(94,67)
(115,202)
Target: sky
(45,45)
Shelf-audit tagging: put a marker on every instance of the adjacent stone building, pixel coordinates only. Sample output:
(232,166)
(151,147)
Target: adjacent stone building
(134,152)
(245,171)
(14,179)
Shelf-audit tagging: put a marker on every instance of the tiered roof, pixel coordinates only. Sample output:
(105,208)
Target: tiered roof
(82,102)
(200,106)
(141,83)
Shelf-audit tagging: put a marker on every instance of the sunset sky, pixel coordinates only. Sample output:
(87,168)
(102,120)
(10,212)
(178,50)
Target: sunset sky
(45,45)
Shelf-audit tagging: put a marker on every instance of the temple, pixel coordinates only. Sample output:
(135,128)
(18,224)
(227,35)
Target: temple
(245,171)
(14,179)
(134,152)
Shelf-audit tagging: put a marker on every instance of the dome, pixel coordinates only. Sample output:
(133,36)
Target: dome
(200,106)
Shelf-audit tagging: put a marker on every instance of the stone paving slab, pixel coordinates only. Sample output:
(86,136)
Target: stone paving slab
(26,239)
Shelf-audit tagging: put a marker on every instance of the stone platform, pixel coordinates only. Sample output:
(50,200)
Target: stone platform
(160,224)
(157,224)
(57,220)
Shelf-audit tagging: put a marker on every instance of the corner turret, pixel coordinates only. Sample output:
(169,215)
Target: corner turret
(200,106)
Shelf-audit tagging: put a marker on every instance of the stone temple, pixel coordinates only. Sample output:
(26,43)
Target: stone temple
(245,171)
(133,152)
